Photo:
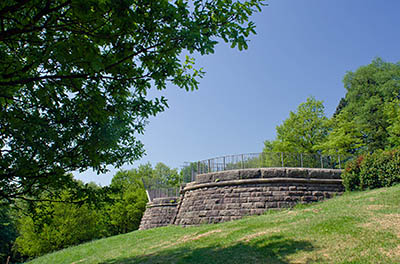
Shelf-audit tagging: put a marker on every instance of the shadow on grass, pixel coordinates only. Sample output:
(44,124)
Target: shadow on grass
(273,249)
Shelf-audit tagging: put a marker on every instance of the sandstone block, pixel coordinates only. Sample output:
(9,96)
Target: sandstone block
(297,172)
(273,172)
(249,174)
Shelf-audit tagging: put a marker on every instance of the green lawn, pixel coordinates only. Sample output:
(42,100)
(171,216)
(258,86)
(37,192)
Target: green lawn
(362,227)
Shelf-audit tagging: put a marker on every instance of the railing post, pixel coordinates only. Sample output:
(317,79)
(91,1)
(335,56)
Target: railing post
(301,159)
(224,164)
(282,160)
(340,167)
(322,163)
(198,167)
(209,166)
(242,162)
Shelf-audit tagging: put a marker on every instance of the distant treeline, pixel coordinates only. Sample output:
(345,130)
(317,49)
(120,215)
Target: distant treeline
(33,228)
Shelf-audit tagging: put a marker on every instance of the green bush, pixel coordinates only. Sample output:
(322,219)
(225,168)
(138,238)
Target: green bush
(53,226)
(351,174)
(375,170)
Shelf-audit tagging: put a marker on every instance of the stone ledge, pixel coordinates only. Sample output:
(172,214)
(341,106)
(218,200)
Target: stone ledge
(261,181)
(285,172)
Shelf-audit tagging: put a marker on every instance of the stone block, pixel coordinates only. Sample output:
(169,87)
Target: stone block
(283,205)
(246,205)
(233,206)
(257,211)
(244,200)
(244,212)
(225,176)
(203,178)
(256,199)
(259,205)
(297,172)
(224,212)
(218,207)
(273,172)
(249,174)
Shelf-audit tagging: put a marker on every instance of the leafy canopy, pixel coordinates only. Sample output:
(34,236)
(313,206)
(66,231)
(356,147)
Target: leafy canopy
(302,131)
(75,74)
(367,119)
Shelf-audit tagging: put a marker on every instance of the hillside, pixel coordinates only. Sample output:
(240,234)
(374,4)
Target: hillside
(361,227)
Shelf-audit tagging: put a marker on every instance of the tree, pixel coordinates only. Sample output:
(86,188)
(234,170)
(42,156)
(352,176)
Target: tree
(300,134)
(368,120)
(392,113)
(125,213)
(125,178)
(302,131)
(8,233)
(130,199)
(166,176)
(75,74)
(344,138)
(47,226)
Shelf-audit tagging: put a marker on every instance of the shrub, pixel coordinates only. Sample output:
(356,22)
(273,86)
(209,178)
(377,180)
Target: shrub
(374,170)
(351,174)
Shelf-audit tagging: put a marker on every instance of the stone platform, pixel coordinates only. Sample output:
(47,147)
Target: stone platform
(229,195)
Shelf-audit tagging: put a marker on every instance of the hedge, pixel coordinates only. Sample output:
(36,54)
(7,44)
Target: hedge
(373,170)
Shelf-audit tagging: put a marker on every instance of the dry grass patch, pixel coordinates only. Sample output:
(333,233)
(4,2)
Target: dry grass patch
(192,238)
(79,261)
(394,254)
(327,250)
(185,239)
(260,233)
(375,207)
(388,222)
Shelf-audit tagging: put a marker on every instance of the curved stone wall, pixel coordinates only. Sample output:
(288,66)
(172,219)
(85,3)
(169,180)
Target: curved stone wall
(229,195)
(159,212)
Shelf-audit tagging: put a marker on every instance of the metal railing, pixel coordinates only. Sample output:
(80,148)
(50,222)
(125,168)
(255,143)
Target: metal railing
(157,189)
(245,161)
(162,193)
(265,160)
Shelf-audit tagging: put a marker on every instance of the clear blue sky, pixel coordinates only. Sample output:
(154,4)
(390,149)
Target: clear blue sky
(302,48)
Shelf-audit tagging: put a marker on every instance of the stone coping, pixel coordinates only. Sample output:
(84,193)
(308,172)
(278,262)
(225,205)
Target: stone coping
(260,181)
(165,201)
(258,173)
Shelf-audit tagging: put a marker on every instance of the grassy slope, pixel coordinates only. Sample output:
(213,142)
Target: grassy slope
(359,227)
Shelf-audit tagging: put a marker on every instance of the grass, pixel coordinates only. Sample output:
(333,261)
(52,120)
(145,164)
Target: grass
(360,227)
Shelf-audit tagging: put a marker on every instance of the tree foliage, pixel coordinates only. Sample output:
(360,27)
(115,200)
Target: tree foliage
(392,113)
(366,120)
(125,214)
(8,233)
(48,226)
(369,116)
(344,138)
(166,176)
(302,131)
(74,78)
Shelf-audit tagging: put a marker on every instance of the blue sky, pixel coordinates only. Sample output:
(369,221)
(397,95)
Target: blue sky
(302,48)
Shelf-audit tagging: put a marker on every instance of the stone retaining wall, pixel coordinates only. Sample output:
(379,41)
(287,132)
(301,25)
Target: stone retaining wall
(229,195)
(159,212)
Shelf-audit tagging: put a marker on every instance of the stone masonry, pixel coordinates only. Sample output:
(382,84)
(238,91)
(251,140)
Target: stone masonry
(229,195)
(159,212)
